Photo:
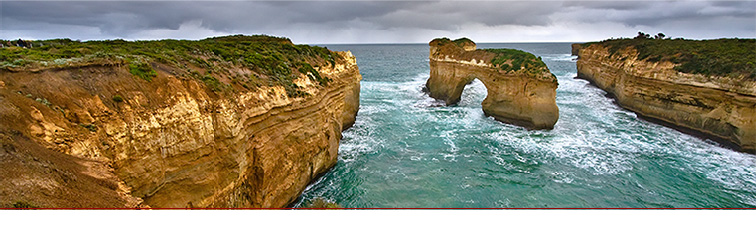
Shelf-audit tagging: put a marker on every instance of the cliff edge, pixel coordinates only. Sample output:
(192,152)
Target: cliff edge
(521,89)
(235,121)
(705,88)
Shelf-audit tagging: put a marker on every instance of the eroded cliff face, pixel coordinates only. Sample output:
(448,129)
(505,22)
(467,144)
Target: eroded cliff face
(721,108)
(173,141)
(516,97)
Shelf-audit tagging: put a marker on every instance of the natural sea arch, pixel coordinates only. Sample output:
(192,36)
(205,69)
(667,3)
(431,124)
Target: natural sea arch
(519,97)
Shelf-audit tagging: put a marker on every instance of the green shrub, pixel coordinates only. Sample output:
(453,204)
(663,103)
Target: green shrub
(459,42)
(308,70)
(117,98)
(515,60)
(213,83)
(23,205)
(43,101)
(90,127)
(294,91)
(142,70)
(462,41)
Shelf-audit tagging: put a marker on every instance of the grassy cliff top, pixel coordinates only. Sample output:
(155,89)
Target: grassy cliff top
(461,42)
(720,57)
(505,59)
(515,60)
(274,60)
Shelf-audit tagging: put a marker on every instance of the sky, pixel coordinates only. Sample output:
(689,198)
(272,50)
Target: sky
(327,22)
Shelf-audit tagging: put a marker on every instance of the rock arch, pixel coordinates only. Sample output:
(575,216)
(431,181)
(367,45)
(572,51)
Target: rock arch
(525,96)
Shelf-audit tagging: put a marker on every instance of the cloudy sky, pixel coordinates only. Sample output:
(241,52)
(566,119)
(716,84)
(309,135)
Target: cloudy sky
(377,21)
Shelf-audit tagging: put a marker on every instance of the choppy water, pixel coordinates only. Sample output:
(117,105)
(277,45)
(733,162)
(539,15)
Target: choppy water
(408,150)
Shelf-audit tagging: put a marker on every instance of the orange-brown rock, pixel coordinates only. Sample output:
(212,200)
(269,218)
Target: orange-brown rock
(575,48)
(718,107)
(171,142)
(521,97)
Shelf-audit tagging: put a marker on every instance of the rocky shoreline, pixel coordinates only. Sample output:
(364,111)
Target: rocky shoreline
(715,107)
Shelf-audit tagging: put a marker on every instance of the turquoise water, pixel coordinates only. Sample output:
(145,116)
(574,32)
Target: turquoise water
(408,150)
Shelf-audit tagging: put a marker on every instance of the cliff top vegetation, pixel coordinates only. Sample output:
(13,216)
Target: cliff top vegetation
(459,42)
(515,60)
(274,60)
(720,57)
(505,59)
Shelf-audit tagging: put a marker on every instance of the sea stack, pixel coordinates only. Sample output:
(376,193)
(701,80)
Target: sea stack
(706,88)
(521,89)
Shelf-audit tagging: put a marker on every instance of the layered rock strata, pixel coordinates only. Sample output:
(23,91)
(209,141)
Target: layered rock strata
(172,141)
(717,107)
(518,96)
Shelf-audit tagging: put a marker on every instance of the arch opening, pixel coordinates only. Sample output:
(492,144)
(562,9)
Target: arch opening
(473,94)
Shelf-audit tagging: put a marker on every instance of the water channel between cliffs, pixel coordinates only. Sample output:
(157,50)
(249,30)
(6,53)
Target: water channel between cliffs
(409,150)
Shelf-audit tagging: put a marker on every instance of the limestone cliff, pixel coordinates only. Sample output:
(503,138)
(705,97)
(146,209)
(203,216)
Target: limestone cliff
(722,108)
(575,48)
(176,140)
(521,90)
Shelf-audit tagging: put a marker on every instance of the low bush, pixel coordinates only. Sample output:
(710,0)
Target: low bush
(308,70)
(142,70)
(23,205)
(90,127)
(43,101)
(117,98)
(515,60)
(213,83)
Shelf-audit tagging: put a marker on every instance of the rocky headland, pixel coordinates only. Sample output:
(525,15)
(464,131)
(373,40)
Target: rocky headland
(235,121)
(706,88)
(521,89)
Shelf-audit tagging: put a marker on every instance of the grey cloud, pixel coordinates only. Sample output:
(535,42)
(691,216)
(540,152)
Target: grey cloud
(491,13)
(121,15)
(608,5)
(651,13)
(124,18)
(330,11)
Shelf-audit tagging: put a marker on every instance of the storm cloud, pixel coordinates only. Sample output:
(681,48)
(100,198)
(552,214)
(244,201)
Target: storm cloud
(376,21)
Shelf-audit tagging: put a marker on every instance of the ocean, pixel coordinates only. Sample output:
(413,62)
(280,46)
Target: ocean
(407,150)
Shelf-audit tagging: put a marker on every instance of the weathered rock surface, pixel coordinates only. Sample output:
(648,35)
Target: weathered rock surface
(171,142)
(576,48)
(720,108)
(517,97)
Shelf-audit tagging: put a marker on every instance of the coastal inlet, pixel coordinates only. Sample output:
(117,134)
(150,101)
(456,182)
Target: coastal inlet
(407,149)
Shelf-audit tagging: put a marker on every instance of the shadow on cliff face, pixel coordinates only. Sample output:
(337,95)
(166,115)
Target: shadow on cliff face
(36,177)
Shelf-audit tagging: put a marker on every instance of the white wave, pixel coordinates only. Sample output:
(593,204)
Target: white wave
(718,164)
(359,140)
(366,110)
(559,57)
(473,94)
(733,170)
(593,136)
